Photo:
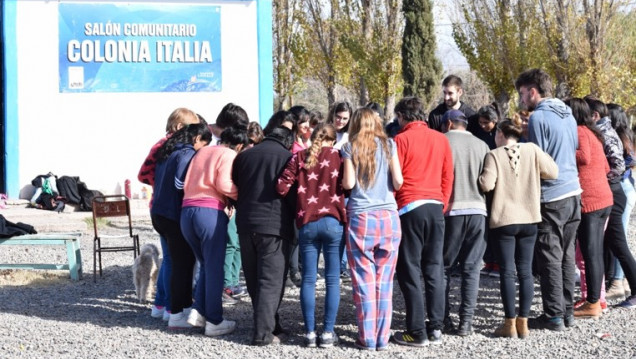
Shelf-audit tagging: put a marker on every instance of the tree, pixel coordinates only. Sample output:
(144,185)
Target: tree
(578,42)
(494,36)
(290,51)
(374,44)
(420,67)
(330,62)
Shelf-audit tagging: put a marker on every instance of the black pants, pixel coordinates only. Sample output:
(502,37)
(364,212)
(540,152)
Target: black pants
(421,253)
(615,239)
(182,262)
(464,242)
(591,242)
(294,257)
(516,249)
(265,261)
(554,253)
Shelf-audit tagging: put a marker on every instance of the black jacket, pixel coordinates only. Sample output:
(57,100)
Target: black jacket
(435,117)
(259,208)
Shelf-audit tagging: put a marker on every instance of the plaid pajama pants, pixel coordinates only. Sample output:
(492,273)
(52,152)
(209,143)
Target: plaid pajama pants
(372,249)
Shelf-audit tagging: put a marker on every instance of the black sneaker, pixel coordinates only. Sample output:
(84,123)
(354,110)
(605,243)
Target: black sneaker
(435,337)
(465,328)
(328,339)
(568,320)
(545,322)
(403,338)
(449,327)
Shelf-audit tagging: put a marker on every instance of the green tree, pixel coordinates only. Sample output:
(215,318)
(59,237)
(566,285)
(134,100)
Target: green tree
(329,60)
(421,69)
(582,44)
(290,51)
(374,44)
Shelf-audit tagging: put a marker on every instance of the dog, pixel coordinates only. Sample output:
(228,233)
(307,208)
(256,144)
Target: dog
(145,270)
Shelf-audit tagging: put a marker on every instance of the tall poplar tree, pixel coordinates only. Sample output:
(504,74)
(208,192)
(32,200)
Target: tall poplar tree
(421,69)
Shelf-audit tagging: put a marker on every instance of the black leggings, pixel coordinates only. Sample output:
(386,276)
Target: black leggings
(182,262)
(516,249)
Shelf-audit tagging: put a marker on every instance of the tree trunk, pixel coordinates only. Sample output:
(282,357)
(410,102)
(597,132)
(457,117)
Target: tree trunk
(331,90)
(503,99)
(390,106)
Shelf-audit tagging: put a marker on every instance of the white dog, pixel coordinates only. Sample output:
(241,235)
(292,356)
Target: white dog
(145,270)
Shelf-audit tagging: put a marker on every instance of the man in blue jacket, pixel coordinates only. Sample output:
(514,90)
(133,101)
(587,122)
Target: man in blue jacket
(553,128)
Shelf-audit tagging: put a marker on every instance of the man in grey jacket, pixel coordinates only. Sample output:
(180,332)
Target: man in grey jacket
(553,128)
(464,236)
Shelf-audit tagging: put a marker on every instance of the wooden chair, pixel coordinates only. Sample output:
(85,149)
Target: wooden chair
(111,206)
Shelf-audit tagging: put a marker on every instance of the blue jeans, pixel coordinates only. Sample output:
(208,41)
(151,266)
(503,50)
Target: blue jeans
(324,234)
(630,193)
(205,230)
(162,297)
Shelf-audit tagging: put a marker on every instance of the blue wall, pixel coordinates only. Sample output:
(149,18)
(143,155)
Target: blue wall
(265,62)
(10,69)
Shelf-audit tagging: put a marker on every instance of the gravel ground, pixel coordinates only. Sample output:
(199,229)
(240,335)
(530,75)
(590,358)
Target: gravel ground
(46,315)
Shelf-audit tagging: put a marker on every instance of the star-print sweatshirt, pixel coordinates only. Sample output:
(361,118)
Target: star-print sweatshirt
(320,191)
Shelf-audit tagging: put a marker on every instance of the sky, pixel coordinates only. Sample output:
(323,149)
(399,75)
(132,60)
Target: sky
(447,50)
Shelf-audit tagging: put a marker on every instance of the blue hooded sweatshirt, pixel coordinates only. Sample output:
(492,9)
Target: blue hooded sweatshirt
(553,128)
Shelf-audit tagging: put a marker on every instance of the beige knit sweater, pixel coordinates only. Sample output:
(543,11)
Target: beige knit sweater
(514,175)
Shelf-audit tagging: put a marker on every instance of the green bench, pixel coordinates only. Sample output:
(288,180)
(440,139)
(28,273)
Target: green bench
(70,240)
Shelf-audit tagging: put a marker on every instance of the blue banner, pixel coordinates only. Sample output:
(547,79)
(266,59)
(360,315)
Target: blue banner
(139,48)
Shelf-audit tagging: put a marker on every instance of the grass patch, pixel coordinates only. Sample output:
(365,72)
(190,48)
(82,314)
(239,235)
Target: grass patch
(19,277)
(101,222)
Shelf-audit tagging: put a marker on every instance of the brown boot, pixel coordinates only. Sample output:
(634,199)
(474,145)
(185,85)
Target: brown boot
(507,330)
(616,290)
(589,310)
(522,327)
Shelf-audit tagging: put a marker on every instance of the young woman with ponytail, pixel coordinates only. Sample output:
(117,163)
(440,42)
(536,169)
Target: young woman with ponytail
(320,218)
(372,172)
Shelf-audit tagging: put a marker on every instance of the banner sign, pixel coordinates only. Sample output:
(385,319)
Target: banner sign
(139,48)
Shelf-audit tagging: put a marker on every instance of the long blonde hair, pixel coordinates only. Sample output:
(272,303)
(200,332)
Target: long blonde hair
(365,126)
(322,132)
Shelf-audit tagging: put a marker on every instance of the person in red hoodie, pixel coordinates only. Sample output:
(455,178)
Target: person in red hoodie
(427,166)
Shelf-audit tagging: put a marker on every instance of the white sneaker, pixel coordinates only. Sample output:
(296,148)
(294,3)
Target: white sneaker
(166,315)
(195,319)
(179,320)
(225,327)
(157,312)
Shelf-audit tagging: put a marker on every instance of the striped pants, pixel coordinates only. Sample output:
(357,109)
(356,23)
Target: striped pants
(372,249)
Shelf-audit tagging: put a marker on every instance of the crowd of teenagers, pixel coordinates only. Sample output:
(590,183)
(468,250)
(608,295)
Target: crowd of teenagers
(418,199)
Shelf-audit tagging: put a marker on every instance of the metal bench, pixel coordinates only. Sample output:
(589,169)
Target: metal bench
(70,240)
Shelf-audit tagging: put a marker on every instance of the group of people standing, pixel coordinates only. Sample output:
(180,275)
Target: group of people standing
(415,200)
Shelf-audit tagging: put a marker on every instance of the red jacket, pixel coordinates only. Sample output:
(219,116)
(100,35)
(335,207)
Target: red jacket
(593,170)
(427,165)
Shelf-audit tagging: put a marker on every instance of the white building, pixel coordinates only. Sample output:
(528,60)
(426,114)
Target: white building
(87,86)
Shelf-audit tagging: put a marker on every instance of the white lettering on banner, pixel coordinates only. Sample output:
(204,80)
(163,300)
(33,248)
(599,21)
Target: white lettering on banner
(161,30)
(184,51)
(101,29)
(112,51)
